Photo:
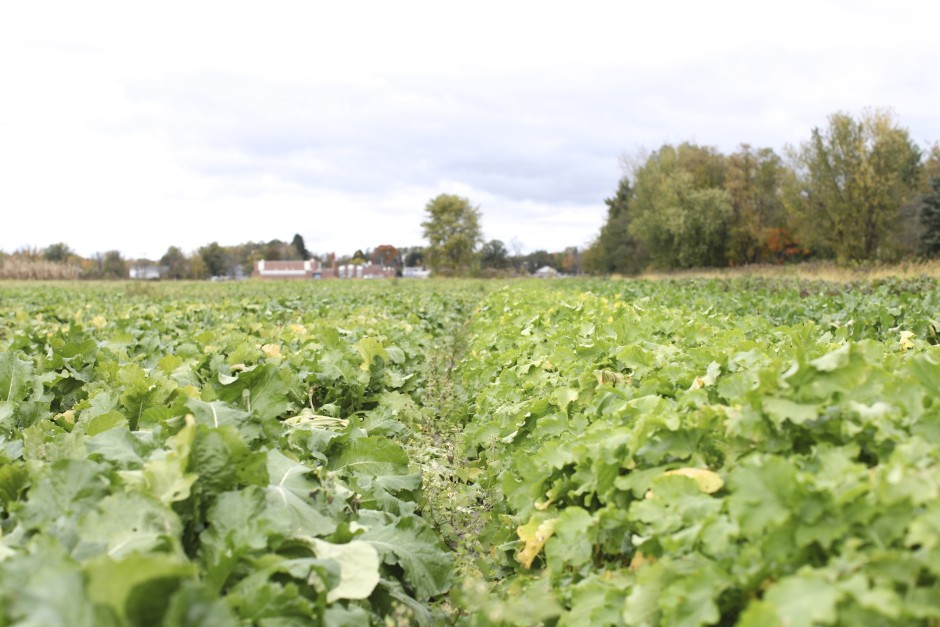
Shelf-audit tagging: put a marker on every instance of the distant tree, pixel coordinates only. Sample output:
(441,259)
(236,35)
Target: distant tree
(755,180)
(929,209)
(197,267)
(516,257)
(215,259)
(414,257)
(175,262)
(298,245)
(452,229)
(358,258)
(113,266)
(854,177)
(931,168)
(58,253)
(276,250)
(571,260)
(616,250)
(386,255)
(680,212)
(494,255)
(539,259)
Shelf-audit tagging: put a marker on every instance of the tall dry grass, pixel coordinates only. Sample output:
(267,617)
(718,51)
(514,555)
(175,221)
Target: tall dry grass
(822,271)
(18,268)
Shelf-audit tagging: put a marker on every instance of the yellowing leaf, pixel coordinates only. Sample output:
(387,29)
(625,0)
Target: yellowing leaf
(906,343)
(542,506)
(534,534)
(639,560)
(358,568)
(98,322)
(370,348)
(272,350)
(708,481)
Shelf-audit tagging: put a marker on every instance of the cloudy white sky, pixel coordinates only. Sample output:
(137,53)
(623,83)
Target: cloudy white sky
(139,126)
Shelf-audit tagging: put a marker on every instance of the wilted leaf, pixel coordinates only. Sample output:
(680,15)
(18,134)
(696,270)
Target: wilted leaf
(534,535)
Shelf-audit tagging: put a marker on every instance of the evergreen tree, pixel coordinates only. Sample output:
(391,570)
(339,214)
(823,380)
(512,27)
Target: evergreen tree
(301,249)
(930,219)
(616,251)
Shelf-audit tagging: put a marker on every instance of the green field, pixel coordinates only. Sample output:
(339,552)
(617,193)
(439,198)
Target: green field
(694,452)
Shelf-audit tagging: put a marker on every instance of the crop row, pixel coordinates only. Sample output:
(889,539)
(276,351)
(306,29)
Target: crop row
(205,455)
(700,453)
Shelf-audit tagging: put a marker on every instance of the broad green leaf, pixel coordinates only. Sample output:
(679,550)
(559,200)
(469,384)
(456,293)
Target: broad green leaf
(834,360)
(127,523)
(564,397)
(374,455)
(60,494)
(165,473)
(46,588)
(216,413)
(781,409)
(259,390)
(803,600)
(239,524)
(281,592)
(14,479)
(136,587)
(288,496)
(763,493)
(194,605)
(572,540)
(16,377)
(415,547)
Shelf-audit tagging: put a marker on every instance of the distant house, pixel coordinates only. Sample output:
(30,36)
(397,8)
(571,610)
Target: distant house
(415,273)
(310,269)
(145,272)
(313,269)
(365,271)
(546,272)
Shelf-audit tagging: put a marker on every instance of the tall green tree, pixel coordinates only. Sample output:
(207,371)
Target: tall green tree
(299,247)
(494,255)
(854,177)
(58,253)
(452,229)
(680,212)
(414,256)
(113,266)
(175,262)
(215,259)
(755,180)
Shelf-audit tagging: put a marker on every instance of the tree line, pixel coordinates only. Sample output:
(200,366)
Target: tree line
(455,248)
(859,189)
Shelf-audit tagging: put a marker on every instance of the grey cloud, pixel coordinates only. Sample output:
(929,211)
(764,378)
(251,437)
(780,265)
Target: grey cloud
(361,139)
(538,137)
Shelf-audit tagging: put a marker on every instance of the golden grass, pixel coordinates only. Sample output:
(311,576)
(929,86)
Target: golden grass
(16,268)
(821,271)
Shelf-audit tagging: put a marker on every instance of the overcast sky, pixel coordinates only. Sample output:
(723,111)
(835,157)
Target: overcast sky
(137,127)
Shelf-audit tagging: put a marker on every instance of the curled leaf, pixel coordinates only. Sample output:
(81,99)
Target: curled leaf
(708,482)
